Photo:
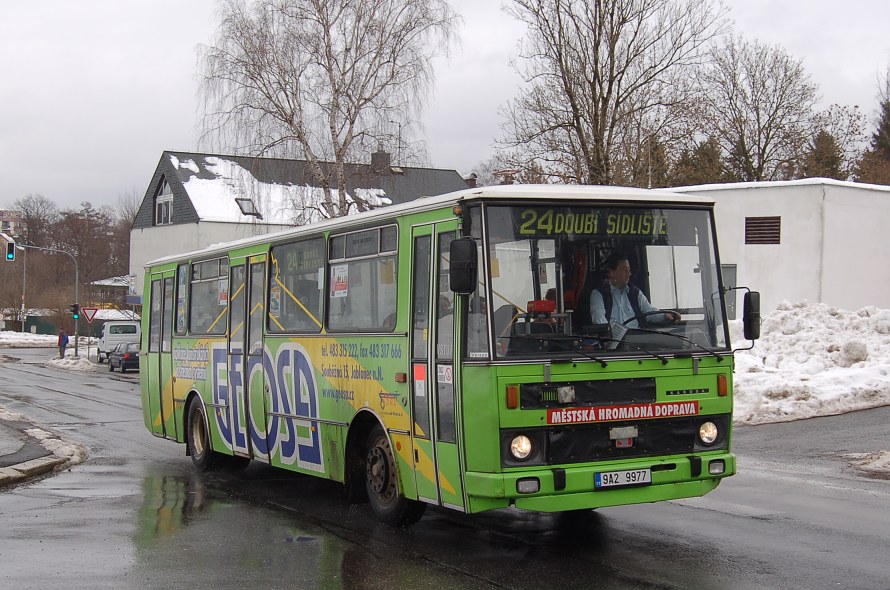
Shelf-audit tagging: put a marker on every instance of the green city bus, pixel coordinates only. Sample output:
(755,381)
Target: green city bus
(444,352)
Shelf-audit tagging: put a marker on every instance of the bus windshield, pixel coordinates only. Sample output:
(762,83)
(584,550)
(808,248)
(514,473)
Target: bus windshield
(602,281)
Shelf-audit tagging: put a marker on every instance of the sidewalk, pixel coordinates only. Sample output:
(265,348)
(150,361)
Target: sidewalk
(28,451)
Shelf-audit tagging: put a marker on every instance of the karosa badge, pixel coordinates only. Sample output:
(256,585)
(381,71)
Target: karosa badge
(623,412)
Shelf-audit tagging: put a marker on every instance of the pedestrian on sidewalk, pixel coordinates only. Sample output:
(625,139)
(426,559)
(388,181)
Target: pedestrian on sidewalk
(63,343)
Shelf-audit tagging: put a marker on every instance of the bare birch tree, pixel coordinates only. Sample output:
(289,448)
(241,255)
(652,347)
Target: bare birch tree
(602,74)
(758,102)
(322,80)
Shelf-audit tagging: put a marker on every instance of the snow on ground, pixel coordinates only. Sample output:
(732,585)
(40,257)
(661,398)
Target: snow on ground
(26,340)
(70,362)
(813,360)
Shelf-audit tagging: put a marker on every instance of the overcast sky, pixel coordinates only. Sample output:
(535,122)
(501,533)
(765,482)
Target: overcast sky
(92,91)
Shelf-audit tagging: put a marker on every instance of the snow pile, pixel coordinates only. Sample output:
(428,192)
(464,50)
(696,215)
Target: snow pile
(72,363)
(10,416)
(813,360)
(873,464)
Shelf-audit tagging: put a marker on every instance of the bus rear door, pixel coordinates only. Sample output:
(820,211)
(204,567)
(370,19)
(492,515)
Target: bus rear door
(160,355)
(246,354)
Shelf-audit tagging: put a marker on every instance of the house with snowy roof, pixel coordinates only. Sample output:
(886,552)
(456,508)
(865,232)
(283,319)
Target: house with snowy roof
(195,200)
(815,239)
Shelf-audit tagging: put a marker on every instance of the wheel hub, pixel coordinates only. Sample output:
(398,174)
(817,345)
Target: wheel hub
(378,470)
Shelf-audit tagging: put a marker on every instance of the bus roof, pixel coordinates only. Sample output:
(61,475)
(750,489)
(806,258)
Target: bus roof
(511,193)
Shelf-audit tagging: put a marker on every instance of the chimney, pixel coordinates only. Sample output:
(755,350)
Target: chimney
(380,161)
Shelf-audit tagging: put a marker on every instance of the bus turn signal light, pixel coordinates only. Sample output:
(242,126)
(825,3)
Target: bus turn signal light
(721,386)
(512,397)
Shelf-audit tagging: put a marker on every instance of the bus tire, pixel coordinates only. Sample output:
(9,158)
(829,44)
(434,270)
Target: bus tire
(381,481)
(198,430)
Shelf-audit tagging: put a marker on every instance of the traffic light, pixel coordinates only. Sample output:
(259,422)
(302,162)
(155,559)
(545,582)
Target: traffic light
(10,251)
(74,308)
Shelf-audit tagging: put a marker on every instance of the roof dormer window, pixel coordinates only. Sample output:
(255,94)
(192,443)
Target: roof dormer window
(164,204)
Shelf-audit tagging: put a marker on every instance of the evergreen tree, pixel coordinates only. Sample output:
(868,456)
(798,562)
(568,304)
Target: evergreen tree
(703,164)
(824,158)
(880,140)
(874,167)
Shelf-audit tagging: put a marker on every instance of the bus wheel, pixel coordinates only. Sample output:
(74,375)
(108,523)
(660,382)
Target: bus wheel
(199,437)
(381,481)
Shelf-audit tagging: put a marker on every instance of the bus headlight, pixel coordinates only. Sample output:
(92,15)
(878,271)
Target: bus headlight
(521,447)
(708,433)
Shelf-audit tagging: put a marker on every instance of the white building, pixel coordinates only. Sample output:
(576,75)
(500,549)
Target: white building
(816,239)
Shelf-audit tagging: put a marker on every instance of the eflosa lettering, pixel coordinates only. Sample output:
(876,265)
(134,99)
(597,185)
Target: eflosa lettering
(625,412)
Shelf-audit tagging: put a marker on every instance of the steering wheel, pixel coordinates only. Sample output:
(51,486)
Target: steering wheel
(642,316)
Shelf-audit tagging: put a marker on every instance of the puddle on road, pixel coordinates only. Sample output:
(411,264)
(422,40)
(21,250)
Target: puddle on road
(188,529)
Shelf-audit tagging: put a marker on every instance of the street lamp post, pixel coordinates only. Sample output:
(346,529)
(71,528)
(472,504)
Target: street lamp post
(24,282)
(76,284)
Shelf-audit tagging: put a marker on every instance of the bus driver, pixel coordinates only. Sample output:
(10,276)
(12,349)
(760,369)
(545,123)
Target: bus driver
(620,300)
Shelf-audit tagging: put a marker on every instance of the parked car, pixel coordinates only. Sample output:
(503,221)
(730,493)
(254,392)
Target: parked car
(115,332)
(124,356)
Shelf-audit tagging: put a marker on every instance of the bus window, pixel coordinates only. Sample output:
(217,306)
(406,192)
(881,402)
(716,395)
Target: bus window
(296,282)
(255,309)
(421,295)
(209,301)
(154,319)
(167,329)
(444,346)
(363,287)
(182,292)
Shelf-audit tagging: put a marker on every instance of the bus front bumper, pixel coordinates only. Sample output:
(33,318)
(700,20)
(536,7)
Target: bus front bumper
(572,487)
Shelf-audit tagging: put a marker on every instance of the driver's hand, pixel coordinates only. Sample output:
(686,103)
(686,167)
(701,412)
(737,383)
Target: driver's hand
(673,316)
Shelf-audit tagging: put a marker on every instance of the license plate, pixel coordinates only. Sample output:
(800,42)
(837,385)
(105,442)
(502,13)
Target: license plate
(620,479)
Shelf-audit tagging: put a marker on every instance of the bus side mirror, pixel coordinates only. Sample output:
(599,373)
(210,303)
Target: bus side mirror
(751,315)
(464,266)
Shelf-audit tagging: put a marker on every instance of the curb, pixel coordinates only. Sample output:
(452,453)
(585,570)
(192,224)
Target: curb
(29,469)
(41,451)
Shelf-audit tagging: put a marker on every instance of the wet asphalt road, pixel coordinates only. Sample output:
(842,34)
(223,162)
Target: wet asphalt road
(135,515)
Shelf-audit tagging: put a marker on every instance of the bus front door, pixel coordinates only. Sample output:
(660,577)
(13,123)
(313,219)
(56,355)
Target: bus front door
(434,408)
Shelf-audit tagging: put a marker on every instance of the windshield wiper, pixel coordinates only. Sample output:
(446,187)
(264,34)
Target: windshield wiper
(580,350)
(663,359)
(565,340)
(719,357)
